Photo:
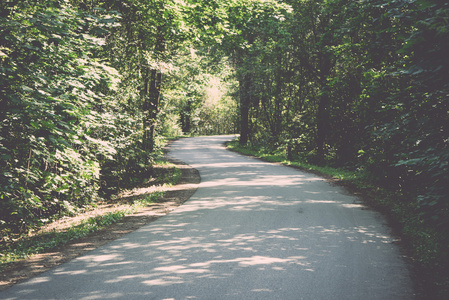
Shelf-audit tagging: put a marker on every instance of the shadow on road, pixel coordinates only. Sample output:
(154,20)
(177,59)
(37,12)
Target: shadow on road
(253,230)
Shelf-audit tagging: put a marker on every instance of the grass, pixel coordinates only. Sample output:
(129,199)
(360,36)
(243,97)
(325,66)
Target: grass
(21,247)
(168,178)
(358,178)
(425,245)
(26,246)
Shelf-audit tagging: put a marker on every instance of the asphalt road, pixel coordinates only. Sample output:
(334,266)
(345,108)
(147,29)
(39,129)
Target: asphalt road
(253,230)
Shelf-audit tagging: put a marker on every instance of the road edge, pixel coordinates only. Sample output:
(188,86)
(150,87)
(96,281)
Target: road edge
(34,265)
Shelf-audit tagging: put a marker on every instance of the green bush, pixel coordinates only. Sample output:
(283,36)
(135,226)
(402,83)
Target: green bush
(53,99)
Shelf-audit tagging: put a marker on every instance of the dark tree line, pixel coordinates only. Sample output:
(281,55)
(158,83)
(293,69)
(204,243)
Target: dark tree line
(358,84)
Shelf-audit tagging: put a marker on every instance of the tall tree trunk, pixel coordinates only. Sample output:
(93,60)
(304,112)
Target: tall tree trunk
(245,64)
(154,97)
(323,107)
(322,124)
(245,101)
(152,87)
(146,108)
(186,119)
(278,98)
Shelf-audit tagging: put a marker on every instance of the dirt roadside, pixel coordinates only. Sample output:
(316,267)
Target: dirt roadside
(37,264)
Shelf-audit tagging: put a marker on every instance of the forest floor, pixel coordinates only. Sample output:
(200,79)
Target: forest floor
(36,264)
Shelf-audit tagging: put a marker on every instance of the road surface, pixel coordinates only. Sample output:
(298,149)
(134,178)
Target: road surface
(253,230)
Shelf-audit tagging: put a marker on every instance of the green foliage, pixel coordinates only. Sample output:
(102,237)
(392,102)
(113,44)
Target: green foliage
(197,95)
(53,92)
(360,87)
(73,127)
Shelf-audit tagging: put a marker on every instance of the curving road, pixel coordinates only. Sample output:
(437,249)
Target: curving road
(253,230)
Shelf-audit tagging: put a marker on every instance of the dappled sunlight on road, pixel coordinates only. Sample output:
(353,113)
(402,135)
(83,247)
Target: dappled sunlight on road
(257,181)
(238,204)
(253,230)
(208,255)
(211,255)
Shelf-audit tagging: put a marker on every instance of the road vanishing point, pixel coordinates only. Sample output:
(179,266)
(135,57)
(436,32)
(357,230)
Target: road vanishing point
(252,230)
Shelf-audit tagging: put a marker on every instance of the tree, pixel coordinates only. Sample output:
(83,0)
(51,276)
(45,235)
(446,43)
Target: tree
(250,23)
(53,94)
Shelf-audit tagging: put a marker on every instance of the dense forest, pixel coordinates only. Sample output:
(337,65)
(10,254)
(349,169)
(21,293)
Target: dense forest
(90,88)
